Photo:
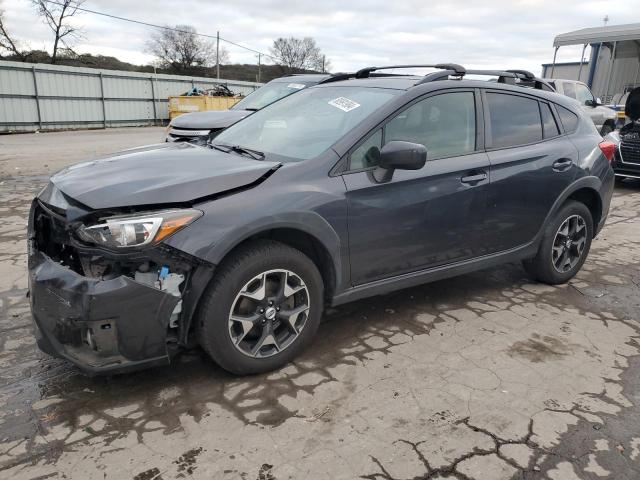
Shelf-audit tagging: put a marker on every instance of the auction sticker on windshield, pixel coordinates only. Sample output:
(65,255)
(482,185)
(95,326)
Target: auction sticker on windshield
(275,124)
(297,86)
(344,104)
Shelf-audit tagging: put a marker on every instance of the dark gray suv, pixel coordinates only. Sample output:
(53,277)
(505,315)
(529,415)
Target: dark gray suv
(343,191)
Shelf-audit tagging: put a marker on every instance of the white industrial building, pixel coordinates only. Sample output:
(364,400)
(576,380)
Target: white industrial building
(613,67)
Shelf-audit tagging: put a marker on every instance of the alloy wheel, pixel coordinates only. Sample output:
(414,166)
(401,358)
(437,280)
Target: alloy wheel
(269,313)
(569,243)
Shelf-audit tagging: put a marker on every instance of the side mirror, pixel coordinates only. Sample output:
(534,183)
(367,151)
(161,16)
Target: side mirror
(397,155)
(591,103)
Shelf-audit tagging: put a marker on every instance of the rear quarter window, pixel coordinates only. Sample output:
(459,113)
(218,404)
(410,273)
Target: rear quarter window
(549,125)
(568,118)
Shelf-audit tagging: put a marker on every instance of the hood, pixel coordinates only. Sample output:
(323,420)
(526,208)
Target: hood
(210,119)
(632,106)
(178,173)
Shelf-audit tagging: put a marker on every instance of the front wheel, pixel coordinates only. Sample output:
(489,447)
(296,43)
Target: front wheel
(565,245)
(262,308)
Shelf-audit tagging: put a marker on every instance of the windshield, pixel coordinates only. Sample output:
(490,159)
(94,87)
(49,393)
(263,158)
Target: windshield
(269,93)
(304,125)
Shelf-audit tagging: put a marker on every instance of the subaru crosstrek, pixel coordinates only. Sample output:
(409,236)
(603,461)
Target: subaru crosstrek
(342,191)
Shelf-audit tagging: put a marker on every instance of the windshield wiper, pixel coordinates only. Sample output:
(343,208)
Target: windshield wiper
(255,154)
(250,109)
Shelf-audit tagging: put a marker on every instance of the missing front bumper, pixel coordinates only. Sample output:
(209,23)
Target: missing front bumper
(102,326)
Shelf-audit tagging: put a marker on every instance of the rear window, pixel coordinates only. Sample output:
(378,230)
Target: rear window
(569,89)
(568,118)
(514,120)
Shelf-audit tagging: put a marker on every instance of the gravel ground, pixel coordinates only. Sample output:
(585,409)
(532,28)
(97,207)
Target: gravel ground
(485,376)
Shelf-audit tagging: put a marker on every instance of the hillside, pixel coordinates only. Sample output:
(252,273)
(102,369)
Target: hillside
(246,72)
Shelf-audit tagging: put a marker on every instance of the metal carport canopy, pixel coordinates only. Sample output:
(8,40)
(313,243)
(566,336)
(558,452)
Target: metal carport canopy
(614,33)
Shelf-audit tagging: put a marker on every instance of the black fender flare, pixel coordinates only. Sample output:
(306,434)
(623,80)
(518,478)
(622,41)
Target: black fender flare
(589,182)
(307,222)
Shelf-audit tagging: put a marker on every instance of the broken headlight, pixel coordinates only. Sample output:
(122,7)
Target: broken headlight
(137,230)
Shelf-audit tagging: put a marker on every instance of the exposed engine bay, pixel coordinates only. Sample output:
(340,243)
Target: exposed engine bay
(110,309)
(630,133)
(53,237)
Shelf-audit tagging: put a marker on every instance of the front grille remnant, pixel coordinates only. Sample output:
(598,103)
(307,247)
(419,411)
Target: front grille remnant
(630,150)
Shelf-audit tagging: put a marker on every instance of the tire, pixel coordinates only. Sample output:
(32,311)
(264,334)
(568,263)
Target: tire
(606,129)
(543,266)
(264,339)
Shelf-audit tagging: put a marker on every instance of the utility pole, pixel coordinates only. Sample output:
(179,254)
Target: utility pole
(259,67)
(218,55)
(323,59)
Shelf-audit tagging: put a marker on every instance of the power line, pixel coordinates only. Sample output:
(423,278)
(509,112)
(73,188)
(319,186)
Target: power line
(164,27)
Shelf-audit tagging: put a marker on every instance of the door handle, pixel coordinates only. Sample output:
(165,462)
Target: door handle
(562,164)
(474,178)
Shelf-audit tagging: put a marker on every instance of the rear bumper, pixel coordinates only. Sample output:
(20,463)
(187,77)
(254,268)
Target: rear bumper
(102,326)
(606,193)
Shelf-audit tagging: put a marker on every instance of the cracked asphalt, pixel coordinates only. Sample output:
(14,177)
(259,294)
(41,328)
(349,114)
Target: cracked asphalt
(485,376)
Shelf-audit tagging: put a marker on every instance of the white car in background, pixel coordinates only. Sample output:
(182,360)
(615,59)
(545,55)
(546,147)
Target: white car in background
(603,117)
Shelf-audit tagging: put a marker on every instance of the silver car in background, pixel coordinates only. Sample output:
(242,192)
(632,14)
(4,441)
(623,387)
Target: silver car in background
(603,117)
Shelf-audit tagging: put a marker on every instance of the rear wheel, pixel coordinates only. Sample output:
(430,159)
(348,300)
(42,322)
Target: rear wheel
(262,309)
(565,245)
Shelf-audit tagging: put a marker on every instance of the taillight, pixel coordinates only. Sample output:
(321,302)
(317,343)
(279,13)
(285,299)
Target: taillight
(608,149)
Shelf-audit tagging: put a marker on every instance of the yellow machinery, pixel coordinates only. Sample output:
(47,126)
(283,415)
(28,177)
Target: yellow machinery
(200,103)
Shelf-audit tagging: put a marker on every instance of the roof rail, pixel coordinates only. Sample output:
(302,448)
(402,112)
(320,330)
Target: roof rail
(456,69)
(526,73)
(336,77)
(522,78)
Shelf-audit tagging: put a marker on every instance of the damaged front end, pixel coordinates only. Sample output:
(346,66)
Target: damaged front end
(627,156)
(104,304)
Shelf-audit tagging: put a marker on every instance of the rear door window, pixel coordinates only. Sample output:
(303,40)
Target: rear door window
(515,120)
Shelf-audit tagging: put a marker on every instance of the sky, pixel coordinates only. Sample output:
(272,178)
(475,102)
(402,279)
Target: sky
(352,33)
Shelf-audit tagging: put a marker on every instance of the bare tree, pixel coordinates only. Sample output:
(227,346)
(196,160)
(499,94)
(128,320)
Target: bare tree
(181,49)
(298,53)
(56,16)
(7,42)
